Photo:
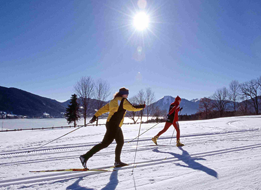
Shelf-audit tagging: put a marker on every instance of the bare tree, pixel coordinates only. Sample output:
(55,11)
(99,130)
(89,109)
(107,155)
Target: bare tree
(102,89)
(140,99)
(157,112)
(220,100)
(234,88)
(250,89)
(259,82)
(244,105)
(205,106)
(134,116)
(149,96)
(85,91)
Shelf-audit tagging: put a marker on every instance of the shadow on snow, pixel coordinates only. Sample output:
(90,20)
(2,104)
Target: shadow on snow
(190,161)
(111,185)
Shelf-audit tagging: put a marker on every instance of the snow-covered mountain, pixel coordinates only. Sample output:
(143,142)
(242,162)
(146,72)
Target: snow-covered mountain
(20,102)
(195,100)
(189,107)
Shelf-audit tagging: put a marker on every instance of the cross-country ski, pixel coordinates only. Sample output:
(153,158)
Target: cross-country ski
(72,170)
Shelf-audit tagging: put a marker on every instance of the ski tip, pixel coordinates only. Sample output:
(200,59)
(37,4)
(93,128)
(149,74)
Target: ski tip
(61,170)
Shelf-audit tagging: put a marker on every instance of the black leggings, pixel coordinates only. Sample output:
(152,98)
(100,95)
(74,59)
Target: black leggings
(113,132)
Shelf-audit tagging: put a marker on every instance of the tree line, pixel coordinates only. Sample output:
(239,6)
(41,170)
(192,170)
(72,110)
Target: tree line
(237,99)
(90,96)
(87,91)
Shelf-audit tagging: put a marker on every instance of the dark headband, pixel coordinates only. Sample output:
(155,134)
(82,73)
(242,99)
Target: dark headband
(123,92)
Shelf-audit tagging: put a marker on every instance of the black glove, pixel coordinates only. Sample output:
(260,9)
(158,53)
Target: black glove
(140,106)
(180,108)
(93,119)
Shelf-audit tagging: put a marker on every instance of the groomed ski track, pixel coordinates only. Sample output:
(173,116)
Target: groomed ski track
(233,143)
(71,175)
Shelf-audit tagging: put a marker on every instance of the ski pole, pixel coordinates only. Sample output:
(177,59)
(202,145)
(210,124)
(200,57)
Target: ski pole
(57,138)
(136,146)
(143,132)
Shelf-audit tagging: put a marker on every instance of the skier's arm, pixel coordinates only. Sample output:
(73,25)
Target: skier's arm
(102,110)
(173,109)
(128,106)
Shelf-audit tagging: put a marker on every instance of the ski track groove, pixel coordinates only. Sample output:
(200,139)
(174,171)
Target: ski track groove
(190,139)
(132,149)
(71,148)
(71,175)
(143,148)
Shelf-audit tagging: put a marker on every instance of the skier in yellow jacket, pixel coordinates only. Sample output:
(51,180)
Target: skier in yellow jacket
(117,110)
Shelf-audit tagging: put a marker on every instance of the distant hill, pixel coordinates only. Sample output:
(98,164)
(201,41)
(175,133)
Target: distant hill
(19,102)
(189,107)
(92,106)
(66,103)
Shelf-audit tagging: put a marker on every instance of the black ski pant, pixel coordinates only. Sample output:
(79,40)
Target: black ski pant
(113,132)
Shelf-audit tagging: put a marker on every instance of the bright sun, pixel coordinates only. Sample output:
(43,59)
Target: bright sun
(141,21)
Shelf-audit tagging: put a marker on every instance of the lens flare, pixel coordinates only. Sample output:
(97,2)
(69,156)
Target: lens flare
(142,4)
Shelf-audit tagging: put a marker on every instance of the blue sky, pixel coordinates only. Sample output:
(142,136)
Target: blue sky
(191,48)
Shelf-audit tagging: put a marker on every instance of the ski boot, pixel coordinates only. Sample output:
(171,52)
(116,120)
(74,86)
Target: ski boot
(83,161)
(119,164)
(179,143)
(154,139)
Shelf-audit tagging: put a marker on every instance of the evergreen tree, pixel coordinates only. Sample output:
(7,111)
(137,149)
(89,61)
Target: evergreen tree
(72,112)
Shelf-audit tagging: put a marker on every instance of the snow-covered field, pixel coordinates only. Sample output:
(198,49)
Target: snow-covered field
(222,153)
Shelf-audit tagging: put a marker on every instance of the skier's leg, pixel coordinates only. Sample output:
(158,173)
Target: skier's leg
(176,125)
(167,125)
(107,140)
(119,138)
(154,139)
